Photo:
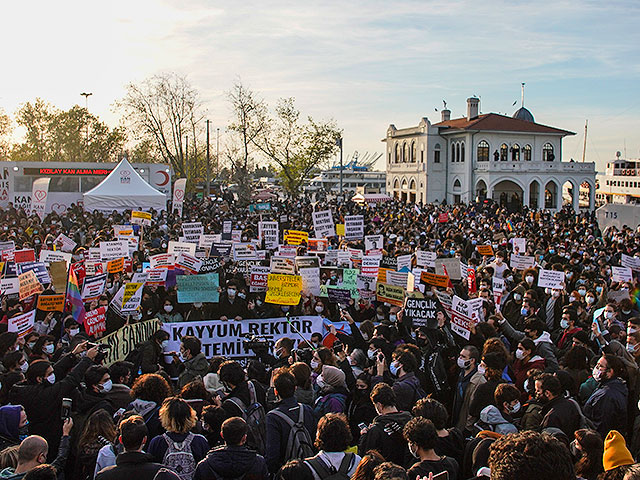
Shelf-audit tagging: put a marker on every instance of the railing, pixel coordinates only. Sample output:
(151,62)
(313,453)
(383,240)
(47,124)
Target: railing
(536,167)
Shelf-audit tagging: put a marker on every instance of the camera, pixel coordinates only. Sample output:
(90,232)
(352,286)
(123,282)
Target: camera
(66,408)
(303,355)
(257,343)
(338,346)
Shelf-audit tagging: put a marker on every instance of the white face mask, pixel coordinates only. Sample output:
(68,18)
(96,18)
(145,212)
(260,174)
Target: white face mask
(197,304)
(73,332)
(24,367)
(529,278)
(319,308)
(515,408)
(371,354)
(106,386)
(314,364)
(320,382)
(49,348)
(164,344)
(519,354)
(168,308)
(463,364)
(590,300)
(608,315)
(51,378)
(572,298)
(481,370)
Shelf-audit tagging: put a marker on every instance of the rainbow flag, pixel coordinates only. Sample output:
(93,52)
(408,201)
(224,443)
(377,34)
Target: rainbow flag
(74,297)
(635,296)
(509,226)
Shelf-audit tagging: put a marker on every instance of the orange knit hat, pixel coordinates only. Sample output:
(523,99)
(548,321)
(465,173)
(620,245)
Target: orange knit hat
(616,452)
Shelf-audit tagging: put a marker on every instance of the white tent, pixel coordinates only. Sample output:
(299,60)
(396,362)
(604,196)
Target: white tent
(124,189)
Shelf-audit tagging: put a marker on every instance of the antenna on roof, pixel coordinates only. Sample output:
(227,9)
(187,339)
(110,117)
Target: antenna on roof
(522,95)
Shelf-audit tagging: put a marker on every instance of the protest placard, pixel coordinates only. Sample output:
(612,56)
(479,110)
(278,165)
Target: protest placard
(295,237)
(244,251)
(132,296)
(210,265)
(226,338)
(283,289)
(621,274)
(198,288)
(522,262)
(366,287)
(318,245)
(49,256)
(373,242)
(95,321)
(9,286)
(519,246)
(390,294)
(156,276)
(51,303)
(630,262)
(341,296)
(310,280)
(370,266)
(24,256)
(285,265)
(113,250)
(449,267)
(269,233)
(141,218)
(22,324)
(181,247)
(94,286)
(161,260)
(307,262)
(426,259)
(64,243)
(551,279)
(323,224)
(441,281)
(122,231)
(58,271)
(404,262)
(39,268)
(192,231)
(485,250)
(125,339)
(258,279)
(115,266)
(354,227)
(421,312)
(189,263)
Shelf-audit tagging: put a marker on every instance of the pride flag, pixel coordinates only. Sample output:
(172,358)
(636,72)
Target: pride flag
(509,225)
(74,297)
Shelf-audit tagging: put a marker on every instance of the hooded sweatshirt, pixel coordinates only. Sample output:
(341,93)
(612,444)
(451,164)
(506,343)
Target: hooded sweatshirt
(385,435)
(232,462)
(9,425)
(491,416)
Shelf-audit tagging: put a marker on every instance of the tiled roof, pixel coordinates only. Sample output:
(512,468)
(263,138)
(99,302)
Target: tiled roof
(496,122)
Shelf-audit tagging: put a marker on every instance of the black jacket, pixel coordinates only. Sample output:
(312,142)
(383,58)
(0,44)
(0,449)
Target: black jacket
(136,465)
(607,407)
(563,414)
(385,436)
(232,462)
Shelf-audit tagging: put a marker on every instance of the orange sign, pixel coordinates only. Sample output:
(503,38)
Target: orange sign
(435,280)
(485,250)
(115,266)
(51,303)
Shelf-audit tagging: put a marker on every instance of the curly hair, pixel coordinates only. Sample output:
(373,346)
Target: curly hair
(421,432)
(177,416)
(390,471)
(194,390)
(334,434)
(433,410)
(367,465)
(151,387)
(530,456)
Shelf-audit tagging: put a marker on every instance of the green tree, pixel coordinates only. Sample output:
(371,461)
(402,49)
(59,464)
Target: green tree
(296,149)
(163,111)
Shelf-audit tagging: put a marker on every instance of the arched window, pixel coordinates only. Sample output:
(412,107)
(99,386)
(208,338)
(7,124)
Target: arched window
(526,153)
(436,153)
(413,151)
(457,185)
(457,152)
(405,153)
(483,151)
(395,184)
(504,149)
(462,152)
(515,152)
(547,153)
(412,185)
(397,154)
(453,152)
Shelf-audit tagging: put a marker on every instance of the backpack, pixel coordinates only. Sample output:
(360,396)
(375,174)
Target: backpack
(329,472)
(255,417)
(178,457)
(299,443)
(135,357)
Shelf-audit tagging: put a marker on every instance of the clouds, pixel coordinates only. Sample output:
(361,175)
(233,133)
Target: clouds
(364,63)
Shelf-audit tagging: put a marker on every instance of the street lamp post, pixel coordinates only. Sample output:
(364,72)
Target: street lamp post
(186,157)
(339,142)
(208,189)
(217,152)
(86,96)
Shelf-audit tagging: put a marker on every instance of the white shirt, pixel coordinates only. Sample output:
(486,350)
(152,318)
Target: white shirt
(335,459)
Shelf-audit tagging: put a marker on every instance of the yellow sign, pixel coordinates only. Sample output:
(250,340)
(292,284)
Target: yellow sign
(51,303)
(29,284)
(340,229)
(130,289)
(296,237)
(283,289)
(390,294)
(141,218)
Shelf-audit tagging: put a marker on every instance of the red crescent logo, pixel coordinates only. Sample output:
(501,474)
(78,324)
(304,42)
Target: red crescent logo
(166,178)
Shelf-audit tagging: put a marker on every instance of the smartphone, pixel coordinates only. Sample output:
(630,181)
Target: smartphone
(66,408)
(362,426)
(381,357)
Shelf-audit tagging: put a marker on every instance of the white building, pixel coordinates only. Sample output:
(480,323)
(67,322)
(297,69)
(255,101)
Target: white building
(512,160)
(355,179)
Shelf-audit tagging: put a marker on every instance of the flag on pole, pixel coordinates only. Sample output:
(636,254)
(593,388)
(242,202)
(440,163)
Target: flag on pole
(74,297)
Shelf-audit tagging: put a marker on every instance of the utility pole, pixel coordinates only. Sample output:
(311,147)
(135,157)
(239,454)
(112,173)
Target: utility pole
(584,144)
(186,157)
(339,142)
(86,96)
(217,152)
(208,188)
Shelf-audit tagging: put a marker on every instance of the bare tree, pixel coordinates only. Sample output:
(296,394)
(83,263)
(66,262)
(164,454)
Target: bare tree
(166,109)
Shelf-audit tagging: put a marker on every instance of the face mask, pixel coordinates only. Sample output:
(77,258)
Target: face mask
(393,317)
(510,278)
(519,354)
(285,308)
(574,450)
(25,366)
(74,332)
(596,374)
(365,336)
(164,344)
(608,315)
(569,274)
(631,348)
(371,354)
(183,357)
(242,295)
(414,450)
(564,324)
(599,289)
(463,364)
(49,348)
(31,345)
(197,305)
(572,298)
(314,364)
(481,370)
(529,278)
(231,292)
(517,297)
(626,312)
(552,251)
(279,351)
(515,408)
(106,386)
(526,385)
(168,308)
(582,292)
(319,308)
(523,311)
(379,317)
(555,294)
(51,378)
(393,368)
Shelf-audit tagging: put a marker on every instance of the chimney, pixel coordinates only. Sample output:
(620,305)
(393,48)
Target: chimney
(446,115)
(472,108)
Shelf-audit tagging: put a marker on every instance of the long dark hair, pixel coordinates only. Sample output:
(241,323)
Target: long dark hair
(590,464)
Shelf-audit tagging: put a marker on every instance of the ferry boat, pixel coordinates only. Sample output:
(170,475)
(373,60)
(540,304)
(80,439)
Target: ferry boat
(620,183)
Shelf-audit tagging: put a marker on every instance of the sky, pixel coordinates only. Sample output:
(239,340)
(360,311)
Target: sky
(366,64)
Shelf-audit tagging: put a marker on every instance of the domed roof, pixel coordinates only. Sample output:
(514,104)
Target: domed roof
(524,114)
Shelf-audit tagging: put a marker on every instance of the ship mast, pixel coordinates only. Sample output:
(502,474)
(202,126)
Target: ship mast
(584,144)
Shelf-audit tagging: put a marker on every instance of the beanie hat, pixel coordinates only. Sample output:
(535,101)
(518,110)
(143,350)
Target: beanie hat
(333,376)
(616,452)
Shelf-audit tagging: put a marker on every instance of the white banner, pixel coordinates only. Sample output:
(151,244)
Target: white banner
(179,190)
(39,194)
(323,224)
(550,279)
(226,338)
(522,262)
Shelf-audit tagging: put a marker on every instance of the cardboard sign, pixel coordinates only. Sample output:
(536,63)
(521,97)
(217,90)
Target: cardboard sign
(22,324)
(404,262)
(310,280)
(49,256)
(122,231)
(156,276)
(441,281)
(390,294)
(162,260)
(450,267)
(258,279)
(621,274)
(198,288)
(39,268)
(51,303)
(485,250)
(188,262)
(141,218)
(284,265)
(113,250)
(519,246)
(340,229)
(269,233)
(426,259)
(9,286)
(373,242)
(421,312)
(295,237)
(354,227)
(64,243)
(58,272)
(24,256)
(244,251)
(366,287)
(29,285)
(115,266)
(522,262)
(192,232)
(283,289)
(551,279)
(181,247)
(94,286)
(131,297)
(323,224)
(95,321)
(630,262)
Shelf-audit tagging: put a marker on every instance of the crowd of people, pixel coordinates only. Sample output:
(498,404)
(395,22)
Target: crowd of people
(543,383)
